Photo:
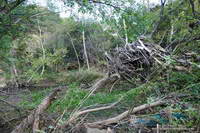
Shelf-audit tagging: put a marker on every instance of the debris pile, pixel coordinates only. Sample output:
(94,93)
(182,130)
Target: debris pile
(135,60)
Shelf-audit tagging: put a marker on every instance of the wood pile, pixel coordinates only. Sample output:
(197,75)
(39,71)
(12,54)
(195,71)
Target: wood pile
(135,60)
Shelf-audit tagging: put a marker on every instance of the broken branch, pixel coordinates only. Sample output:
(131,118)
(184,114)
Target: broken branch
(91,110)
(100,124)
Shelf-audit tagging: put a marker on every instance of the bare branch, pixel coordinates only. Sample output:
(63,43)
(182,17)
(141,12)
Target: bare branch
(100,124)
(76,115)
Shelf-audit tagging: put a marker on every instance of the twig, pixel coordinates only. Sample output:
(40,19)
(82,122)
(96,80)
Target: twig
(96,86)
(142,44)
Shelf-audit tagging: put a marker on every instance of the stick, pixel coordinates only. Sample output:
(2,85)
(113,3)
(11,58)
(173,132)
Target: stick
(91,110)
(142,44)
(34,116)
(125,29)
(113,85)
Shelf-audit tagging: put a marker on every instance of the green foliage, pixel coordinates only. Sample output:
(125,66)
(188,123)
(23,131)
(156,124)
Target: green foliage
(50,62)
(5,45)
(15,27)
(42,46)
(193,117)
(138,22)
(139,95)
(15,24)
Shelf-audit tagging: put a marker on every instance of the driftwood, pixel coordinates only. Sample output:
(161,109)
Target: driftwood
(100,124)
(34,117)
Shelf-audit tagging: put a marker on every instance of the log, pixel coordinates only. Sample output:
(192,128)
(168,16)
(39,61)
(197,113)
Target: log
(100,124)
(33,118)
(105,81)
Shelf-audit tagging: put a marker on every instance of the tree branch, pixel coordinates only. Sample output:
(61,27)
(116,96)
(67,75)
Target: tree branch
(10,6)
(100,124)
(174,43)
(76,115)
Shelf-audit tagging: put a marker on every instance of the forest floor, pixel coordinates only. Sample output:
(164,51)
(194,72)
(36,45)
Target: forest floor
(75,89)
(20,102)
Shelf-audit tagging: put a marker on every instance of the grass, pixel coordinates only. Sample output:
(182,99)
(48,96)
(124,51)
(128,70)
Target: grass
(33,99)
(73,96)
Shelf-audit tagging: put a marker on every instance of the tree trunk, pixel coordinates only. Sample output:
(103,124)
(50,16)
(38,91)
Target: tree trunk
(85,51)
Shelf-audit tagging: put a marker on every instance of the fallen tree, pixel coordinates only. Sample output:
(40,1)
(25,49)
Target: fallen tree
(101,124)
(34,117)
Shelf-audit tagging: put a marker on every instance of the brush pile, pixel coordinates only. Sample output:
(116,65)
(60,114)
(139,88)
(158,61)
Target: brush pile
(135,60)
